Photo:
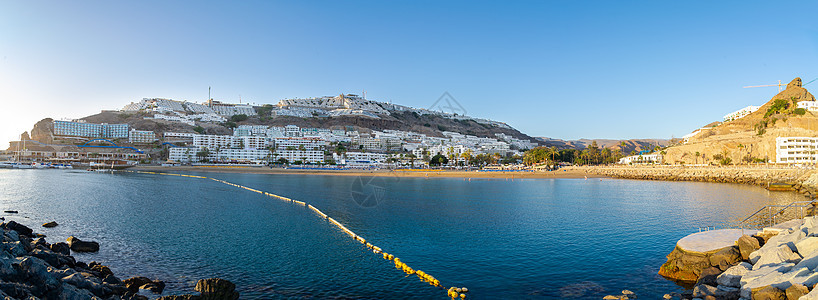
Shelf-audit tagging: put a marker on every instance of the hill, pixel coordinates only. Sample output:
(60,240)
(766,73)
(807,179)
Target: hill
(625,146)
(751,138)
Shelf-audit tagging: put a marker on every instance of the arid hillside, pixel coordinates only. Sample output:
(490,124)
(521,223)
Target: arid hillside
(751,138)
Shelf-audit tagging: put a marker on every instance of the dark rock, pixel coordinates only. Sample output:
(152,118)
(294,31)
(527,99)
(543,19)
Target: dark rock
(703,290)
(81,265)
(725,258)
(708,276)
(795,291)
(82,246)
(50,224)
(10,211)
(768,293)
(49,257)
(727,293)
(746,245)
(15,249)
(111,279)
(683,266)
(216,289)
(156,286)
(61,248)
(71,292)
(133,296)
(102,270)
(36,273)
(180,297)
(16,290)
(21,229)
(134,283)
(91,284)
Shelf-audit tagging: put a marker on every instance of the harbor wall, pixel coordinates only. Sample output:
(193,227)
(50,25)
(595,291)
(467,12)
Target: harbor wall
(802,180)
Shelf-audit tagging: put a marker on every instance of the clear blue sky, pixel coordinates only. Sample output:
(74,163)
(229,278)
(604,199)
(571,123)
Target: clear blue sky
(563,69)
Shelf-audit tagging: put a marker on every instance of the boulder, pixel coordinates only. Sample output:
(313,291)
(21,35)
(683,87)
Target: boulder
(782,254)
(732,276)
(134,283)
(812,295)
(78,245)
(102,270)
(708,276)
(50,224)
(795,291)
(726,292)
(21,229)
(725,258)
(10,236)
(61,248)
(37,273)
(16,290)
(156,286)
(746,245)
(769,275)
(807,246)
(216,289)
(180,297)
(769,293)
(49,257)
(15,249)
(71,292)
(86,283)
(704,290)
(684,266)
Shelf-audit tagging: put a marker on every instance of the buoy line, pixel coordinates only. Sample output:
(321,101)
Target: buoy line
(452,292)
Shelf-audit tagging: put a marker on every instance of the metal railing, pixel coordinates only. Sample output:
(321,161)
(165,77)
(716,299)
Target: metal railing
(770,215)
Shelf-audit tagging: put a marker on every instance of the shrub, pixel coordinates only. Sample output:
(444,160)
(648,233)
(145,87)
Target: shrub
(800,111)
(238,118)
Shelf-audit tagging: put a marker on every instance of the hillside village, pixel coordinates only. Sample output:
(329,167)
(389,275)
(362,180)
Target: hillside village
(344,130)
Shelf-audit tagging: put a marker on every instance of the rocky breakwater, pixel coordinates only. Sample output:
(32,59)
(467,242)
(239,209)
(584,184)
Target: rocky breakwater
(803,181)
(785,267)
(699,259)
(31,268)
(780,262)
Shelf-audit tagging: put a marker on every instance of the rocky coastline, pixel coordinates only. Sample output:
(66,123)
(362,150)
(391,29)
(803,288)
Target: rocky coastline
(31,268)
(780,263)
(800,180)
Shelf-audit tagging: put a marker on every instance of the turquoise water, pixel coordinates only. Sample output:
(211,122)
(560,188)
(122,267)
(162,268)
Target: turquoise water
(521,239)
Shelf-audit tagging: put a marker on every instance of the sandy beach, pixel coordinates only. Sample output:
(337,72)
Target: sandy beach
(562,173)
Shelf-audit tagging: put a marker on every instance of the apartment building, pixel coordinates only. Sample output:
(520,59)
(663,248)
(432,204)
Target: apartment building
(796,150)
(141,137)
(90,130)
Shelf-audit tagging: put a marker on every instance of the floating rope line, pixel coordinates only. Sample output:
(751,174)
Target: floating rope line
(452,292)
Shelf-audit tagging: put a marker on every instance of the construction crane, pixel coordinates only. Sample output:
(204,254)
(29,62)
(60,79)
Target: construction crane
(766,85)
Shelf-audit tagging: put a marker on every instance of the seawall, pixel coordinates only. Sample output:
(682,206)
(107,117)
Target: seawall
(803,181)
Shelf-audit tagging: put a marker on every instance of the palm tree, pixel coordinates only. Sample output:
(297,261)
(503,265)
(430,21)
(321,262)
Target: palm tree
(697,156)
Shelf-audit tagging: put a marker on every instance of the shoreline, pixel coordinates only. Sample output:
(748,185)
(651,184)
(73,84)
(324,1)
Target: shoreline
(574,173)
(802,181)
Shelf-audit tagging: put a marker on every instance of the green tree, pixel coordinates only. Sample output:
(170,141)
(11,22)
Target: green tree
(203,154)
(438,160)
(199,129)
(238,118)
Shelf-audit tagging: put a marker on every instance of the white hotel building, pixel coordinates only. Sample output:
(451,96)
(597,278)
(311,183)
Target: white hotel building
(740,113)
(808,105)
(796,150)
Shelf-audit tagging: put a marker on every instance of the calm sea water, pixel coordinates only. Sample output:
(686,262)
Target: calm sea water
(521,239)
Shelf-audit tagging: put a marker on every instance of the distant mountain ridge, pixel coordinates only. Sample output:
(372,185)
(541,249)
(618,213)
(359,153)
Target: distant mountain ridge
(626,146)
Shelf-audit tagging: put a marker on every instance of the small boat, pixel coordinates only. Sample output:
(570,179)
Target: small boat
(781,187)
